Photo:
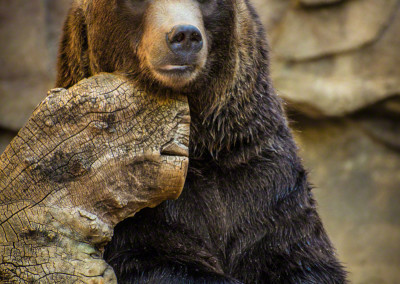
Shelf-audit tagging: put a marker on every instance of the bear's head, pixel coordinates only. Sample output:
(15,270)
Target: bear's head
(213,50)
(170,43)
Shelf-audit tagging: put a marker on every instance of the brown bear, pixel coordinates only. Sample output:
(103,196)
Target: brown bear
(246,214)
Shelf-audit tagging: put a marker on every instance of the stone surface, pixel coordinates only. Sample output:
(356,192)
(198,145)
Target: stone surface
(29,34)
(271,13)
(344,81)
(357,181)
(312,33)
(382,122)
(341,84)
(318,2)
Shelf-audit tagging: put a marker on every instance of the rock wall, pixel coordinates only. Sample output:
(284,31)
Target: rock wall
(335,62)
(29,32)
(337,65)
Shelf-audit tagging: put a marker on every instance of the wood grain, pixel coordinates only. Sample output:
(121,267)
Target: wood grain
(88,158)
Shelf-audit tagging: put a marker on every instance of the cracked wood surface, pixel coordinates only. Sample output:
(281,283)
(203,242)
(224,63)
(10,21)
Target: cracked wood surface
(88,157)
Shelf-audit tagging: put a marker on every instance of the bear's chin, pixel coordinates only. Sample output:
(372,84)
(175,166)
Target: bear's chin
(177,77)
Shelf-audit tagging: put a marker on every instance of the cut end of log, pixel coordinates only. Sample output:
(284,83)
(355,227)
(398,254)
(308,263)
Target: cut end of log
(88,158)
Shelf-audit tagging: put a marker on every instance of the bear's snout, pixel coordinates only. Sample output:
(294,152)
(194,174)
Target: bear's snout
(174,46)
(185,40)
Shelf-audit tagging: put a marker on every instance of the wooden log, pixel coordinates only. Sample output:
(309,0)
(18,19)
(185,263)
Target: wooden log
(88,158)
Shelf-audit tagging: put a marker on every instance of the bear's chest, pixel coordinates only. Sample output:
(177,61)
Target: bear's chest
(226,213)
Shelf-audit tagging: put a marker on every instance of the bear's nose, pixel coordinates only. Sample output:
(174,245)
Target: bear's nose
(184,40)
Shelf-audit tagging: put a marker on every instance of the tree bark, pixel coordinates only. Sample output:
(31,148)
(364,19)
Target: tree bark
(88,158)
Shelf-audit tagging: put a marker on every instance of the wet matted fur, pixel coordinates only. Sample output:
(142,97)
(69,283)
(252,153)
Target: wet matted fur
(246,214)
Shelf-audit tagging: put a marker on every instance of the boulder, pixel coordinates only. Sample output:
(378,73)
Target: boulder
(344,83)
(312,33)
(356,178)
(337,59)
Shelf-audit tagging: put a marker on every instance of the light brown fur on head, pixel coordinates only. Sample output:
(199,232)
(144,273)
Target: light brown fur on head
(130,37)
(161,16)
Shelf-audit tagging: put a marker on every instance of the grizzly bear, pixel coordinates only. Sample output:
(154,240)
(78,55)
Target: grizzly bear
(246,214)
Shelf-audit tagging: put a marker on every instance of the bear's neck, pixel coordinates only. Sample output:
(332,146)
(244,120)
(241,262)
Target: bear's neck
(231,125)
(235,112)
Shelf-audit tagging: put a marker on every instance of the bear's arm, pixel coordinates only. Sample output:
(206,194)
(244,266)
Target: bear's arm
(296,251)
(162,270)
(297,264)
(146,249)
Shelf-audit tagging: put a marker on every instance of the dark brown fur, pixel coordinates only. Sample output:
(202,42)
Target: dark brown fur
(246,214)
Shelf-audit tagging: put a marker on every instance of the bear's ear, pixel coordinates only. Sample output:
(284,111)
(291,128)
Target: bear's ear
(73,61)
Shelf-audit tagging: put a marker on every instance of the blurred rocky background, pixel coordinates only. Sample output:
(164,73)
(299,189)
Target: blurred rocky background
(335,62)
